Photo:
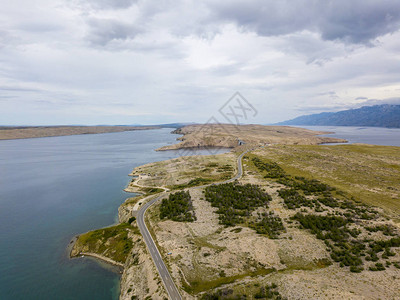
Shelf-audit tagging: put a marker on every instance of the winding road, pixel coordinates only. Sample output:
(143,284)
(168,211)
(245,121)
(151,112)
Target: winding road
(155,254)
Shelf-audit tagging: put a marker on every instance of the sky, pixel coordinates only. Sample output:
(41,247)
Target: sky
(150,62)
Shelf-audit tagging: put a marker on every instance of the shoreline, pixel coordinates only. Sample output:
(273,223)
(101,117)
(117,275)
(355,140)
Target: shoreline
(137,177)
(90,254)
(124,270)
(230,136)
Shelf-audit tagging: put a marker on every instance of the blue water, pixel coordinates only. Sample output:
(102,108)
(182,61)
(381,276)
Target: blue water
(54,188)
(365,135)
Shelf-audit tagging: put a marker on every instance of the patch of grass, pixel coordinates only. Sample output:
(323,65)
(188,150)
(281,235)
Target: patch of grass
(150,190)
(369,173)
(112,242)
(196,287)
(201,242)
(133,200)
(194,182)
(294,263)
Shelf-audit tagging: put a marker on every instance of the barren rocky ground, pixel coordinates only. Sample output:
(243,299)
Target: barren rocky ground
(207,255)
(227,135)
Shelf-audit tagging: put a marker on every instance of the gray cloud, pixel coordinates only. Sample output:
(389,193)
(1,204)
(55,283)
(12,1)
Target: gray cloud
(180,60)
(39,26)
(393,101)
(356,21)
(330,94)
(108,4)
(18,89)
(104,31)
(319,109)
(334,107)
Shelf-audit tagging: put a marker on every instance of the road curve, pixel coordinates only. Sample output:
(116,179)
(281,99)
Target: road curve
(155,254)
(240,168)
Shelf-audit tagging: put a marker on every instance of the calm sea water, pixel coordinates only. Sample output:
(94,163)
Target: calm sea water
(54,188)
(365,135)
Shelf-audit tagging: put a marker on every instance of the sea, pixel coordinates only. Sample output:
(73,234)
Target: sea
(54,188)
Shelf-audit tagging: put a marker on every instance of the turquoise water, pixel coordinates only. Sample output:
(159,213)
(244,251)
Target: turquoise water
(54,188)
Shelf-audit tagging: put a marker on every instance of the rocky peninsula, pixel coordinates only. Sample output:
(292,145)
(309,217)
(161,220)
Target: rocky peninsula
(275,242)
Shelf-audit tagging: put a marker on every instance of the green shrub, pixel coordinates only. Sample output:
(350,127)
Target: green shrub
(293,199)
(178,207)
(273,169)
(269,224)
(235,201)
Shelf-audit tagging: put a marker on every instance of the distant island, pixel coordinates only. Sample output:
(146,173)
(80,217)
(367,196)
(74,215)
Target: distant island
(375,116)
(27,132)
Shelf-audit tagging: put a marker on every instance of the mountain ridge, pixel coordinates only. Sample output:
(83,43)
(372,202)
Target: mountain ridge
(385,115)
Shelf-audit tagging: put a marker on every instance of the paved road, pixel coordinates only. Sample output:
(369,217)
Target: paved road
(240,168)
(155,254)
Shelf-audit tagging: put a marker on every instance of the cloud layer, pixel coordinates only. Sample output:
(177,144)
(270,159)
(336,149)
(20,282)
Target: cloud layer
(134,61)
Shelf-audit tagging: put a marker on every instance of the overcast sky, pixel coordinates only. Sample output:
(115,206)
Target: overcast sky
(127,61)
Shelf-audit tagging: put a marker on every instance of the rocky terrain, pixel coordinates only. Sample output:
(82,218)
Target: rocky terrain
(205,255)
(230,136)
(303,222)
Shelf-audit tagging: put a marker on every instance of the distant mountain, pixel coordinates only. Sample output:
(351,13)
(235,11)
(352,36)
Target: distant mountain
(375,116)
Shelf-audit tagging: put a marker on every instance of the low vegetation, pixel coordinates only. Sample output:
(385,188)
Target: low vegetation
(194,182)
(272,169)
(293,199)
(112,242)
(370,173)
(201,285)
(235,201)
(334,217)
(269,291)
(178,207)
(150,190)
(184,172)
(268,224)
(221,294)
